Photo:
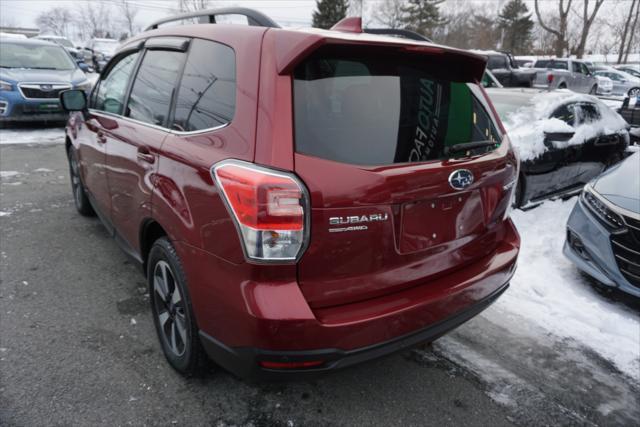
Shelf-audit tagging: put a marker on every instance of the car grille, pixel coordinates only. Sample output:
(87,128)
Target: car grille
(3,107)
(626,248)
(42,91)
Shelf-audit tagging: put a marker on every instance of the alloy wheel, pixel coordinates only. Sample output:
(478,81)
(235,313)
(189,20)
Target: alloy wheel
(169,308)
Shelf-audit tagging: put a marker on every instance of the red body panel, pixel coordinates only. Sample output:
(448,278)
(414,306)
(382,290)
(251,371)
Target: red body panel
(133,152)
(438,252)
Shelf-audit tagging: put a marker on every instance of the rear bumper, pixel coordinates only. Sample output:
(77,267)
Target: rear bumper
(248,313)
(245,361)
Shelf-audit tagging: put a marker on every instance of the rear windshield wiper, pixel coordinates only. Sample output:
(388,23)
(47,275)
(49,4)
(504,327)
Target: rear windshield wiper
(467,146)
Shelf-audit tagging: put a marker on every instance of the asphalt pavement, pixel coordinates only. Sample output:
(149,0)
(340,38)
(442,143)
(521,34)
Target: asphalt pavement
(78,347)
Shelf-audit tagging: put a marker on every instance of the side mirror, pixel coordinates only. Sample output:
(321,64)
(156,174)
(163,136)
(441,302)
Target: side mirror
(558,136)
(73,100)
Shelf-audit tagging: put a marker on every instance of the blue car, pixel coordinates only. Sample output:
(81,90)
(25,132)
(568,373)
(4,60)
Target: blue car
(603,231)
(32,75)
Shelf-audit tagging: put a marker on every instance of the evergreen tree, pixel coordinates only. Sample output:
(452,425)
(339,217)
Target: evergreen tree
(329,12)
(423,16)
(516,25)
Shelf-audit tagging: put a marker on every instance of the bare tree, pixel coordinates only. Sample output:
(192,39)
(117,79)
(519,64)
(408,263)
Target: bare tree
(587,21)
(193,5)
(560,32)
(356,7)
(633,33)
(129,13)
(390,14)
(55,20)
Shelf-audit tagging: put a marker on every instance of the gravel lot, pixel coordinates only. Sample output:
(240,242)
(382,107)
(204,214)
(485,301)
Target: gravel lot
(77,346)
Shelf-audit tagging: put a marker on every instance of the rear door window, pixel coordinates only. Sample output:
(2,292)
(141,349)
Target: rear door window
(154,86)
(374,110)
(207,95)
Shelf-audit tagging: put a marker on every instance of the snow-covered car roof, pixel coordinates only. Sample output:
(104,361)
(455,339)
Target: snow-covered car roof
(526,115)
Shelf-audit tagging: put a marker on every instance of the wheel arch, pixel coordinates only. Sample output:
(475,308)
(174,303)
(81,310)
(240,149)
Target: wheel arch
(150,231)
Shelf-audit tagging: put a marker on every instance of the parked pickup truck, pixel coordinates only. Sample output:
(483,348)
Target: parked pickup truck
(570,74)
(506,70)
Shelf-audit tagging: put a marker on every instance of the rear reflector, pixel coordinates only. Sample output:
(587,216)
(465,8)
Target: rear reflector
(269,207)
(291,365)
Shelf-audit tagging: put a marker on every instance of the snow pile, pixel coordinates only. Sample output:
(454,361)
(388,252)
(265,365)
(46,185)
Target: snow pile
(549,291)
(527,125)
(32,136)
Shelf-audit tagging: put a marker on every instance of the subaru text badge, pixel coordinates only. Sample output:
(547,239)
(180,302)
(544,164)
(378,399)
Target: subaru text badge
(460,179)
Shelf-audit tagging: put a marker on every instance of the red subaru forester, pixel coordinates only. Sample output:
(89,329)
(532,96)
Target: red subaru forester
(300,201)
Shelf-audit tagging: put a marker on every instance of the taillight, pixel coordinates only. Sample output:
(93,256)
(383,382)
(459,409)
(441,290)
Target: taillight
(549,78)
(270,209)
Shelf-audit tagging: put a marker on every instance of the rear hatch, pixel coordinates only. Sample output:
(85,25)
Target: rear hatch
(396,200)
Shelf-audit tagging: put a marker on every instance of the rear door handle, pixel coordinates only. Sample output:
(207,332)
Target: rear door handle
(145,155)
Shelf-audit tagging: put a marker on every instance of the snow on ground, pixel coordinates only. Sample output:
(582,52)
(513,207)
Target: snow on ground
(32,136)
(548,291)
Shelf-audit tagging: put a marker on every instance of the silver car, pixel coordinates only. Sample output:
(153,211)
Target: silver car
(623,83)
(603,231)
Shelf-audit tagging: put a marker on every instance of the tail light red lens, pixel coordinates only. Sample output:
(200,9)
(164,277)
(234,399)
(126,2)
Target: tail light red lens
(269,207)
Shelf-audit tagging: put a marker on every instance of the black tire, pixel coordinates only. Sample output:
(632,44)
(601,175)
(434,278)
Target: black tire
(562,86)
(80,199)
(593,90)
(172,310)
(634,91)
(517,200)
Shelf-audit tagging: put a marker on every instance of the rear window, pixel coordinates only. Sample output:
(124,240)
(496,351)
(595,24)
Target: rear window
(550,63)
(375,109)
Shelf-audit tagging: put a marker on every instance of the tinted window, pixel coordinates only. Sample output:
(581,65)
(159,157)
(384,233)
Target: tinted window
(587,113)
(207,95)
(575,66)
(566,113)
(496,62)
(109,95)
(378,110)
(154,85)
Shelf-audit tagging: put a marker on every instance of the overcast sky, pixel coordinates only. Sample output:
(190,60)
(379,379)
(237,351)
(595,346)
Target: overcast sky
(286,12)
(291,12)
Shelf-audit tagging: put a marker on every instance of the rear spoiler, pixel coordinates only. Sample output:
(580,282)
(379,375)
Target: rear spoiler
(292,47)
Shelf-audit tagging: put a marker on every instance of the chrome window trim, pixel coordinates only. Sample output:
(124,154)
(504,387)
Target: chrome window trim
(36,85)
(151,125)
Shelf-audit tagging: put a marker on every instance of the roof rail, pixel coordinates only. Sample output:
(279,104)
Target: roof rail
(407,34)
(255,18)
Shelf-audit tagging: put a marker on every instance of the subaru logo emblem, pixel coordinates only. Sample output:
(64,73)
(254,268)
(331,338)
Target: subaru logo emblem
(46,87)
(460,179)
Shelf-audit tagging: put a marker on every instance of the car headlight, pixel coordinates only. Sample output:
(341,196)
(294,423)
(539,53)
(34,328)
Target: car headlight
(86,85)
(593,201)
(6,86)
